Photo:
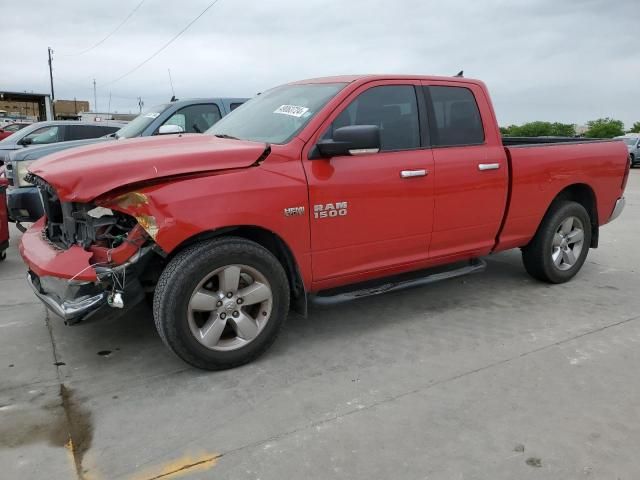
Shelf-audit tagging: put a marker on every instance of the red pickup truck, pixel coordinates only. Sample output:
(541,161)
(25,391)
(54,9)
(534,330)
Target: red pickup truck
(320,189)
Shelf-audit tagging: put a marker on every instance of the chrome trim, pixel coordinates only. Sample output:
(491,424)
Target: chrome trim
(68,308)
(363,151)
(413,173)
(617,210)
(488,166)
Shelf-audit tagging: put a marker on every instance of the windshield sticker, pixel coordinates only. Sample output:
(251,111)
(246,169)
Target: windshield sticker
(152,115)
(292,110)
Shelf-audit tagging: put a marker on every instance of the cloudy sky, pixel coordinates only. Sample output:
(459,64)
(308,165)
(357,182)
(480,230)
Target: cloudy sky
(565,60)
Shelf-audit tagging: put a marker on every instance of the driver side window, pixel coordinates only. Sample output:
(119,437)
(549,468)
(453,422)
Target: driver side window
(195,118)
(43,135)
(393,108)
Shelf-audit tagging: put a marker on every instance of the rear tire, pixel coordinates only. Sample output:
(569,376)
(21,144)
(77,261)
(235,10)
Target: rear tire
(559,248)
(221,303)
(632,160)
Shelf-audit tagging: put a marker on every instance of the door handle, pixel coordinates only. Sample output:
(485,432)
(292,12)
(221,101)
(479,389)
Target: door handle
(488,166)
(413,173)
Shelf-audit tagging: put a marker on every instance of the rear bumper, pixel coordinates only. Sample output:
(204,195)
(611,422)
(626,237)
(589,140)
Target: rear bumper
(618,208)
(24,204)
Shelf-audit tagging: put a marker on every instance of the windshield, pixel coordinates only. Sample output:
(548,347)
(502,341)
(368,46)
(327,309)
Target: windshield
(276,115)
(630,140)
(136,126)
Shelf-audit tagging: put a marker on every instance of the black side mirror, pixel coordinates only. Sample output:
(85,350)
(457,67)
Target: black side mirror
(26,141)
(351,140)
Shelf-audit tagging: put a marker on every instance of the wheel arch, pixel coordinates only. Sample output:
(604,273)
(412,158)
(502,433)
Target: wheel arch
(273,243)
(585,196)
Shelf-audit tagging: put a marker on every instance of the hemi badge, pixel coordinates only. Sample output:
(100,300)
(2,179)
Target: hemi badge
(293,211)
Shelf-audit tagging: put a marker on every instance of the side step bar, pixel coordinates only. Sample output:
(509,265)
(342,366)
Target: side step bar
(401,282)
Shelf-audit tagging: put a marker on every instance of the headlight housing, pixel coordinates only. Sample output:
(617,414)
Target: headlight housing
(20,169)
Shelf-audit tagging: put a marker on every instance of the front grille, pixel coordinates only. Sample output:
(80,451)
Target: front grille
(60,227)
(69,223)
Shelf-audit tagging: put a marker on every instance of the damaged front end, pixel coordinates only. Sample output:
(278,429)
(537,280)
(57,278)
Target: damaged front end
(83,256)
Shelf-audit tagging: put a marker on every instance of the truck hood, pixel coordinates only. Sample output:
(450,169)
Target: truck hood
(84,173)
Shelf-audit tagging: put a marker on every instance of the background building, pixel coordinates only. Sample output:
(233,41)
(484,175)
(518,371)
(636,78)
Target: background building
(70,109)
(30,106)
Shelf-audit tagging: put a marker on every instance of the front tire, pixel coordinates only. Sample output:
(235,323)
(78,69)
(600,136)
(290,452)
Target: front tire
(221,303)
(559,248)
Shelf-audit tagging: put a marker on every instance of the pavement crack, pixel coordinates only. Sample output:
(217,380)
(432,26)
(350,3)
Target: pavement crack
(179,470)
(79,426)
(78,420)
(427,387)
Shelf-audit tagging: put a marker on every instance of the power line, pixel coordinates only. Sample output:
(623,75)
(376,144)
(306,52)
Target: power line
(110,34)
(163,46)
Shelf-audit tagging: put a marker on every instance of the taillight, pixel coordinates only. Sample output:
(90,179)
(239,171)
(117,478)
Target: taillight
(625,177)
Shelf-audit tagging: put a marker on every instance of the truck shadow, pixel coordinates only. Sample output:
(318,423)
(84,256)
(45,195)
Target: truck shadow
(129,340)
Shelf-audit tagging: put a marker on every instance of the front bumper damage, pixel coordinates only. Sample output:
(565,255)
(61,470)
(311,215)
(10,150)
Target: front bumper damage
(68,299)
(73,287)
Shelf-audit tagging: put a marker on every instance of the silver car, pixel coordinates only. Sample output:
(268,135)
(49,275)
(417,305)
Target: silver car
(633,144)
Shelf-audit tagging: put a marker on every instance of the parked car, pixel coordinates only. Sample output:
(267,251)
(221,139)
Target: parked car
(55,131)
(632,141)
(190,116)
(313,190)
(11,128)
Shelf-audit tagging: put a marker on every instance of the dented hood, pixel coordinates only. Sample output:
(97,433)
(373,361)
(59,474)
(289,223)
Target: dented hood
(83,173)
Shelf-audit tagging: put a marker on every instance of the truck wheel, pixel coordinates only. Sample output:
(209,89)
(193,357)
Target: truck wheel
(560,246)
(221,303)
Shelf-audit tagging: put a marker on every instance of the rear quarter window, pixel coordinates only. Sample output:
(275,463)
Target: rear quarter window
(456,120)
(82,132)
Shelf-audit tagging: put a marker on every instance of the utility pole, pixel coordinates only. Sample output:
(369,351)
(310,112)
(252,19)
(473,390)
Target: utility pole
(140,104)
(95,97)
(50,52)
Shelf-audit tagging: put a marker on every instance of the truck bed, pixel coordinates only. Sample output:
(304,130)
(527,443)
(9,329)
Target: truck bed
(542,167)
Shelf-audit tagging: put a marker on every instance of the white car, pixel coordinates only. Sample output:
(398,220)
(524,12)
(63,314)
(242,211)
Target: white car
(632,140)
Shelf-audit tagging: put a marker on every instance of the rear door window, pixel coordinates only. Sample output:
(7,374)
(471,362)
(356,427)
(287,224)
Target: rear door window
(456,118)
(82,132)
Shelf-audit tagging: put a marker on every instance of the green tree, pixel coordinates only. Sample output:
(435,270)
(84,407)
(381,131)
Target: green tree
(540,129)
(604,128)
(635,128)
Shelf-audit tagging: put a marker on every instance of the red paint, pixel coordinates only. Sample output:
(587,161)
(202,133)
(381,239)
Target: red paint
(198,183)
(45,260)
(4,217)
(108,166)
